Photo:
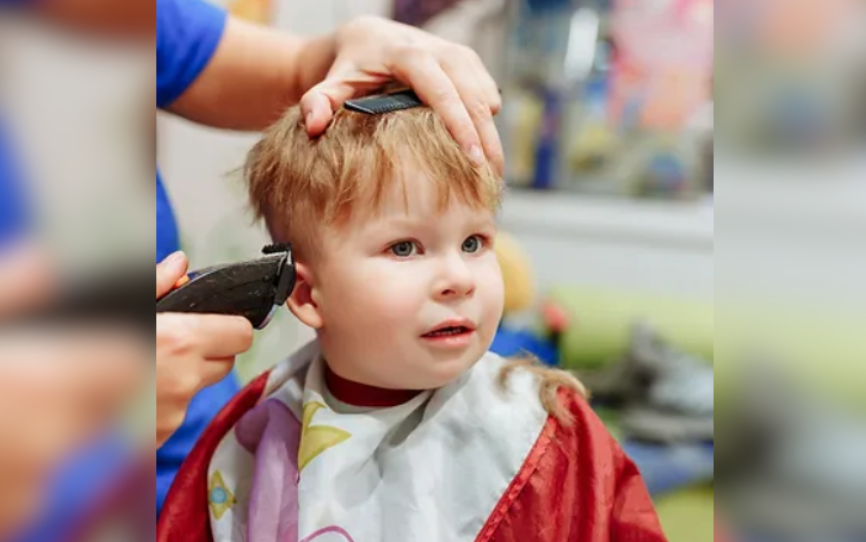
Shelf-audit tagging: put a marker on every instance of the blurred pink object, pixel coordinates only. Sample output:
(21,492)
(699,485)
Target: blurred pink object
(664,60)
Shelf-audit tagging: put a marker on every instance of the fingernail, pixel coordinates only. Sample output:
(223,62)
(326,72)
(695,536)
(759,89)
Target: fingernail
(174,259)
(308,118)
(476,155)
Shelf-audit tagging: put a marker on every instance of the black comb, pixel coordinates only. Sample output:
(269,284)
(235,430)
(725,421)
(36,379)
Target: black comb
(385,103)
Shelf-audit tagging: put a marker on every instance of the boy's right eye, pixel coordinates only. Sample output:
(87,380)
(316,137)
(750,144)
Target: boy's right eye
(404,249)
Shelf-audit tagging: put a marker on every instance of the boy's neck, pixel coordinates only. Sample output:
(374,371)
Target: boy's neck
(362,395)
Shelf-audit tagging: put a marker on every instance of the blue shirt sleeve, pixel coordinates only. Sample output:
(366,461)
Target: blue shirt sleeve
(187,35)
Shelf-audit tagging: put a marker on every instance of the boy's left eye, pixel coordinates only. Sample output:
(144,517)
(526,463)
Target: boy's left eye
(473,244)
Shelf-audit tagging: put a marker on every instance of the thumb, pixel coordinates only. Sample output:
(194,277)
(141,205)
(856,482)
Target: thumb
(169,271)
(320,102)
(343,83)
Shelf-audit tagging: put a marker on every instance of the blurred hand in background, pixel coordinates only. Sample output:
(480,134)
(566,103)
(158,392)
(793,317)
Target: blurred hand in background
(59,387)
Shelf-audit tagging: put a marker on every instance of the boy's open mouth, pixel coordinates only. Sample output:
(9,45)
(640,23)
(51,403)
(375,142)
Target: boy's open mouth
(451,328)
(448,332)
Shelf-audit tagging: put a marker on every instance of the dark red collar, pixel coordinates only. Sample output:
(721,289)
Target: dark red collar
(362,395)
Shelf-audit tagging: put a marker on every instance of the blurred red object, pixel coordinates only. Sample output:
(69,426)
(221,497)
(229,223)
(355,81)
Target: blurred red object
(555,317)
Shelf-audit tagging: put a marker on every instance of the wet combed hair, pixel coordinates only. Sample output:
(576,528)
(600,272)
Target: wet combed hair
(299,184)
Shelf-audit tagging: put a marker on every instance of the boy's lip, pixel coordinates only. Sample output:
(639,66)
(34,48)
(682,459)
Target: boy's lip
(466,323)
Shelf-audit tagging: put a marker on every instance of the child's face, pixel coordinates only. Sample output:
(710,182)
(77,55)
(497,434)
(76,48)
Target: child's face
(385,282)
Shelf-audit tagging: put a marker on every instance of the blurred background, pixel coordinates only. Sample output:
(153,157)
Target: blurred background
(613,249)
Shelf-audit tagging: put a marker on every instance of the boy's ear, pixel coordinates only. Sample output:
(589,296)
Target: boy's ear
(302,302)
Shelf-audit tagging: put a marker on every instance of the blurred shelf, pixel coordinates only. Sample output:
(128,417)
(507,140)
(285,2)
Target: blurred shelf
(636,245)
(810,201)
(686,225)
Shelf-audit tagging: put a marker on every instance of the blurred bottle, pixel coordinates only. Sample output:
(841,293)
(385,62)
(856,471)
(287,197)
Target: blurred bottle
(535,91)
(591,143)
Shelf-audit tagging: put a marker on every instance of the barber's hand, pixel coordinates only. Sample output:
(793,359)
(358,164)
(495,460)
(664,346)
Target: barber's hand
(450,78)
(193,351)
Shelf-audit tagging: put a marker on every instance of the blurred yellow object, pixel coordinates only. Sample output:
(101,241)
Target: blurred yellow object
(687,515)
(254,11)
(592,148)
(517,275)
(522,116)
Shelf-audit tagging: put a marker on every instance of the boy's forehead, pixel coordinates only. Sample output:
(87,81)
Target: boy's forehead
(409,193)
(427,215)
(418,196)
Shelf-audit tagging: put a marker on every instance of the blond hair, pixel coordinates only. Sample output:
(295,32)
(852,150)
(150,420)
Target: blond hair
(551,382)
(299,184)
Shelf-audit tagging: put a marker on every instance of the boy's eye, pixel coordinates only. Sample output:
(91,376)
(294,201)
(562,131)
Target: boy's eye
(404,249)
(473,244)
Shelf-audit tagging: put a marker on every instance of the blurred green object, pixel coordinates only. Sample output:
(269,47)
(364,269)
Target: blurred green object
(822,347)
(602,319)
(687,516)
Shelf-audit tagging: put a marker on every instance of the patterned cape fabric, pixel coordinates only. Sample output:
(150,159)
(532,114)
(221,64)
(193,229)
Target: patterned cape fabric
(468,462)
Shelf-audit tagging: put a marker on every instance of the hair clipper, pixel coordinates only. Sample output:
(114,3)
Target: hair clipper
(254,289)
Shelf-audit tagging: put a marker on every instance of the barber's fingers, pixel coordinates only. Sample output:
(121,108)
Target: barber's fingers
(317,110)
(216,369)
(169,272)
(224,336)
(203,335)
(179,382)
(422,71)
(480,97)
(344,82)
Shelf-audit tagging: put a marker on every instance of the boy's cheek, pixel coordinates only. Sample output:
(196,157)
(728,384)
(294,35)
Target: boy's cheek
(492,283)
(396,285)
(495,303)
(376,304)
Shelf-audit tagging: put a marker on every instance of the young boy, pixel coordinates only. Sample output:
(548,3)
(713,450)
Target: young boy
(396,424)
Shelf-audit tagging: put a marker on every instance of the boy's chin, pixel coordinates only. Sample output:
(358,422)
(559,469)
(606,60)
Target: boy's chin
(444,372)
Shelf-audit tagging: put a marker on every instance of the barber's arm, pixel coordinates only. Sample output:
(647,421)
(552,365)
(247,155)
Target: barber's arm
(257,72)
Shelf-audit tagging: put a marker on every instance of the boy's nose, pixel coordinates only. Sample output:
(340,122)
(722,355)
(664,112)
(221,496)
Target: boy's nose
(456,281)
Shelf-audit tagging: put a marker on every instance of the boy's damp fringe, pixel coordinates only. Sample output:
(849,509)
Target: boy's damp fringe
(552,380)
